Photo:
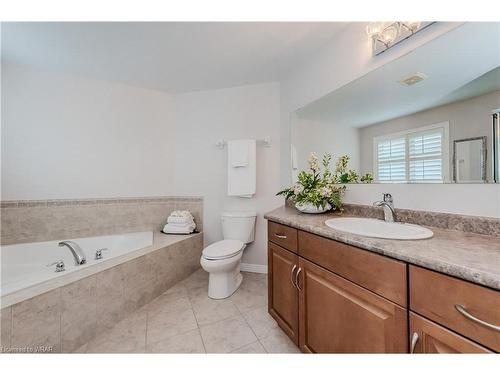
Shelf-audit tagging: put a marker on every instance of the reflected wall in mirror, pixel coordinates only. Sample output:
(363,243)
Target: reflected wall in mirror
(405,121)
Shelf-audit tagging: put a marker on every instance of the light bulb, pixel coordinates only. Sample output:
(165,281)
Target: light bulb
(389,34)
(374,28)
(413,25)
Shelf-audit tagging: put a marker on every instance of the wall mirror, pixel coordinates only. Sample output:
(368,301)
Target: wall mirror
(426,117)
(469,160)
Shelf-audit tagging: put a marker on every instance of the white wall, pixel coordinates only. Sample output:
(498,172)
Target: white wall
(324,137)
(204,117)
(69,137)
(467,118)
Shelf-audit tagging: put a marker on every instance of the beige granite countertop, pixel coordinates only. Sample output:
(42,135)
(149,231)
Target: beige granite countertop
(469,256)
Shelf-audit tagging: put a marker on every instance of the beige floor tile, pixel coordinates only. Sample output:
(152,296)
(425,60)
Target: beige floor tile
(227,335)
(278,342)
(260,321)
(211,311)
(189,342)
(250,295)
(254,348)
(165,324)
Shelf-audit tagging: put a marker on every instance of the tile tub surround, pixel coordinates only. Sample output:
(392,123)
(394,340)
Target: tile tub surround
(469,256)
(67,317)
(46,220)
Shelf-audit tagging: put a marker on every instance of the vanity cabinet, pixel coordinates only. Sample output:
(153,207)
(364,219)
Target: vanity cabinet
(324,312)
(283,296)
(468,309)
(330,297)
(428,337)
(338,316)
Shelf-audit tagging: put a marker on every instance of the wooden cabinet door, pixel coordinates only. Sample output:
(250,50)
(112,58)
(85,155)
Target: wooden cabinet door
(429,337)
(337,316)
(283,300)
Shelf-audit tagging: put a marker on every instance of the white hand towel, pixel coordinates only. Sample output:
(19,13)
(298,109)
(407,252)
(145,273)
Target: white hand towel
(241,181)
(238,153)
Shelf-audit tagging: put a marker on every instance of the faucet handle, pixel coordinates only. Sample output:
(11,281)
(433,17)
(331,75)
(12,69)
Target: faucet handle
(388,198)
(59,265)
(98,253)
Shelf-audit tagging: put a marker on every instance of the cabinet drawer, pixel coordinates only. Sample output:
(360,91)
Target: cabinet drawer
(432,338)
(282,235)
(436,296)
(381,275)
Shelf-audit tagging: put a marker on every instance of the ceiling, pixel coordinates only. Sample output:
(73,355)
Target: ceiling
(170,56)
(460,64)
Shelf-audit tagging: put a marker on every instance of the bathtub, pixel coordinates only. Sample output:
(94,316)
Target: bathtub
(26,266)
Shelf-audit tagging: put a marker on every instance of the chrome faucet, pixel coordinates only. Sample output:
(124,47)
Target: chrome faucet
(76,251)
(388,205)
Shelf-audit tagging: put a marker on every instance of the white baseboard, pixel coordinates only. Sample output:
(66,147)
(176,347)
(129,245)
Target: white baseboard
(257,268)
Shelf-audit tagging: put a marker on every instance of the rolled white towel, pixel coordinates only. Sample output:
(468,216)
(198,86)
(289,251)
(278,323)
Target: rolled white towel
(169,228)
(179,220)
(181,213)
(188,224)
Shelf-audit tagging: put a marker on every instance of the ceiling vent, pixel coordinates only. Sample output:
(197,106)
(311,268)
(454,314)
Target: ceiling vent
(412,79)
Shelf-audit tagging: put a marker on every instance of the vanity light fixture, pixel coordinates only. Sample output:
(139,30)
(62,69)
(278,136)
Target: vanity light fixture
(384,35)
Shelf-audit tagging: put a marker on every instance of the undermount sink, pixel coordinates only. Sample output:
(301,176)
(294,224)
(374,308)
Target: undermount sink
(379,228)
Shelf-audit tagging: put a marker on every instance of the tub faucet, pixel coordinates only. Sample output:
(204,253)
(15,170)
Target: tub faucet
(76,251)
(388,205)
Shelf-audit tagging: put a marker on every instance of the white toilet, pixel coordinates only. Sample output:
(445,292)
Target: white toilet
(222,259)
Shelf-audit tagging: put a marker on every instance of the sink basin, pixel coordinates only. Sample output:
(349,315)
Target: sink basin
(379,228)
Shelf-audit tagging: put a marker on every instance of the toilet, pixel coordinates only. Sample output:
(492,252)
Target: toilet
(222,259)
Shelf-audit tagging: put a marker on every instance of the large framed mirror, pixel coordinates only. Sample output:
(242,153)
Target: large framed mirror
(425,117)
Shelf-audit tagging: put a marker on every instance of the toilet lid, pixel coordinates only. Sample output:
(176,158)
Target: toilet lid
(223,249)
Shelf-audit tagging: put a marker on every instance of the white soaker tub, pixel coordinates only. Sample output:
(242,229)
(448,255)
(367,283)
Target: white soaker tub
(25,265)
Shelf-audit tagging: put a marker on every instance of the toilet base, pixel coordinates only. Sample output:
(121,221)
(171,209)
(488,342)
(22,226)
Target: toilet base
(223,285)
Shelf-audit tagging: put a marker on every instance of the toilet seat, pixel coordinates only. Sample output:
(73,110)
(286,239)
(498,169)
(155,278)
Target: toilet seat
(223,249)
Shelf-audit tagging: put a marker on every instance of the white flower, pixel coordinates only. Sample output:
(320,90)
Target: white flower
(325,191)
(298,188)
(313,162)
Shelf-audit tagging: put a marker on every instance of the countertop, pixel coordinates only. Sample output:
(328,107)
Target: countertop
(465,255)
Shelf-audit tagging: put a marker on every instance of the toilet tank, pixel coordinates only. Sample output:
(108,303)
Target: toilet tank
(239,225)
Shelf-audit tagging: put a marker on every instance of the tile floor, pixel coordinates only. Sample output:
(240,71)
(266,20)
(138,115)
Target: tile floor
(185,320)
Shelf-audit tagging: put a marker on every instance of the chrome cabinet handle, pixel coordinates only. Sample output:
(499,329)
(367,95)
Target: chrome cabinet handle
(461,309)
(297,279)
(414,340)
(291,275)
(282,236)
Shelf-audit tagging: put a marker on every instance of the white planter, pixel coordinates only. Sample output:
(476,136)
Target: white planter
(309,208)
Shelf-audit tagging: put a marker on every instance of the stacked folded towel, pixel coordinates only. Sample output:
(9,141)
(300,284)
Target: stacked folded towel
(180,222)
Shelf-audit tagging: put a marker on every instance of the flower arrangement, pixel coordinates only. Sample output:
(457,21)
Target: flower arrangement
(323,189)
